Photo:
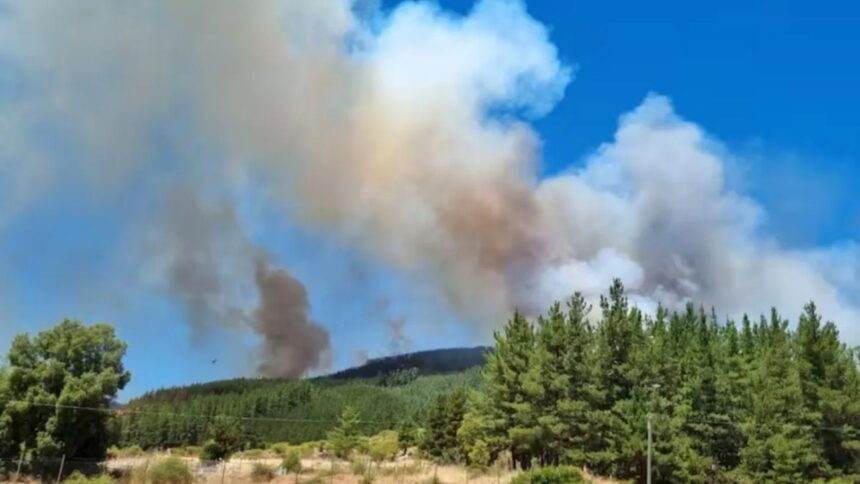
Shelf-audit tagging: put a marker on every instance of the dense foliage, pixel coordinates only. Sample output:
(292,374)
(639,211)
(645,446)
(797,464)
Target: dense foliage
(68,366)
(282,411)
(550,475)
(758,403)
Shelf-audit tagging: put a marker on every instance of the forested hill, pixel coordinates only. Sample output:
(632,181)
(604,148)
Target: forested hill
(406,366)
(432,362)
(386,392)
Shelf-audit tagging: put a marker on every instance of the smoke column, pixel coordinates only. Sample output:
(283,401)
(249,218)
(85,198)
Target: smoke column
(208,263)
(292,343)
(406,134)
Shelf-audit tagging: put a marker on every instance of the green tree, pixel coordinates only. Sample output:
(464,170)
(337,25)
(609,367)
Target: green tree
(226,436)
(781,445)
(344,438)
(505,375)
(443,423)
(51,379)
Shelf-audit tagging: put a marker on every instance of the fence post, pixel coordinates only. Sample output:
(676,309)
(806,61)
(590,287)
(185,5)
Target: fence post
(62,464)
(20,460)
(223,471)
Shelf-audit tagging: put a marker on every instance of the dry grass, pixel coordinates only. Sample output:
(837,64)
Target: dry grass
(322,470)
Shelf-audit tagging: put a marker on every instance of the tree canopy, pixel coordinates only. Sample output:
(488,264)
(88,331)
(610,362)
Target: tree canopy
(759,403)
(49,377)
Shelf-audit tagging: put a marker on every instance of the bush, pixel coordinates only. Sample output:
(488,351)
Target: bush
(280,448)
(262,473)
(171,470)
(78,478)
(383,446)
(479,456)
(292,462)
(212,450)
(550,475)
(360,465)
(114,452)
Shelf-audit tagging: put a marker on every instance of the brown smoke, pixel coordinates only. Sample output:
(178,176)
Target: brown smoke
(292,343)
(210,266)
(409,140)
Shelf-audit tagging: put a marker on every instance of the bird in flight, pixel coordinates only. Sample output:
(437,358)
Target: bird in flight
(215,360)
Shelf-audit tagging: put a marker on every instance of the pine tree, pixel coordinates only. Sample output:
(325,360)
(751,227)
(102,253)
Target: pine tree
(781,445)
(344,438)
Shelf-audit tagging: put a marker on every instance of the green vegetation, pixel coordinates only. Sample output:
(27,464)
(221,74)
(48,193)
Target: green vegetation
(292,462)
(443,423)
(383,446)
(171,470)
(759,403)
(70,365)
(226,436)
(345,437)
(728,402)
(294,412)
(78,478)
(550,475)
(131,451)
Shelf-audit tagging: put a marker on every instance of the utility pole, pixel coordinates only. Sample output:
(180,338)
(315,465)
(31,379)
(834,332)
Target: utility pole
(62,464)
(649,448)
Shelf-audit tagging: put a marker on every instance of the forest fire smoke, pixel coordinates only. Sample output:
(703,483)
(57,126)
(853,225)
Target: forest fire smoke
(406,134)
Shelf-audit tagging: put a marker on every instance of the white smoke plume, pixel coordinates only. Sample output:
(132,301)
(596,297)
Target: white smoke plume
(406,134)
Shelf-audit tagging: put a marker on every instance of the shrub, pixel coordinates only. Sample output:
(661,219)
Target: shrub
(212,450)
(78,478)
(262,473)
(550,475)
(479,456)
(280,448)
(114,452)
(171,470)
(360,465)
(384,445)
(292,462)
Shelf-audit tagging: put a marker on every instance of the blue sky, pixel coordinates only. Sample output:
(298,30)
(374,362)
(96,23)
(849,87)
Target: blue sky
(775,81)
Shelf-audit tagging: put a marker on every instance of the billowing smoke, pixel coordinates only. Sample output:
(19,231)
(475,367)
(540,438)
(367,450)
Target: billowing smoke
(199,251)
(208,263)
(292,343)
(406,134)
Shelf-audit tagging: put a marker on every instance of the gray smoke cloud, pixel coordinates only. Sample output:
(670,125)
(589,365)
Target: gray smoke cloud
(383,129)
(200,252)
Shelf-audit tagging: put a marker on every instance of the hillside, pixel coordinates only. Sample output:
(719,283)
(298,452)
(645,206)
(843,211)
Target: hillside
(432,362)
(280,410)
